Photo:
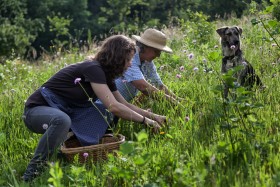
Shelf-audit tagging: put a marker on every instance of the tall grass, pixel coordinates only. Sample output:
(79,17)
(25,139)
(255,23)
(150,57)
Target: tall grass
(200,150)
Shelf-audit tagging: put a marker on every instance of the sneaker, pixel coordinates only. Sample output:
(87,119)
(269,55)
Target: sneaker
(33,171)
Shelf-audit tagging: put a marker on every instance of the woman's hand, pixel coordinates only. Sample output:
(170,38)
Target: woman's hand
(152,124)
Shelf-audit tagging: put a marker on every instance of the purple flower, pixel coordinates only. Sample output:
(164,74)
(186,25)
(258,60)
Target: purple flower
(244,63)
(191,55)
(204,61)
(178,76)
(85,155)
(232,46)
(273,45)
(195,68)
(187,118)
(182,68)
(77,80)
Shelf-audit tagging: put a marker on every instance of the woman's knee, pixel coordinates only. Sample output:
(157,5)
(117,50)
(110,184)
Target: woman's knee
(62,119)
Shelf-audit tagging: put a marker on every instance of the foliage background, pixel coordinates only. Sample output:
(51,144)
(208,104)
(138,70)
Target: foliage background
(31,28)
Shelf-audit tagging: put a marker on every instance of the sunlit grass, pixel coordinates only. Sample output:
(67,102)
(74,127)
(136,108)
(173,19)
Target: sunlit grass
(198,152)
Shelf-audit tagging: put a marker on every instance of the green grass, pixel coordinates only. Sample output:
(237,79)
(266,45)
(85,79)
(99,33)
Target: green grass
(204,151)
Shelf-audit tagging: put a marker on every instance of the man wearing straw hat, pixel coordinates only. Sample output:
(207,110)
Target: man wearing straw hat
(142,75)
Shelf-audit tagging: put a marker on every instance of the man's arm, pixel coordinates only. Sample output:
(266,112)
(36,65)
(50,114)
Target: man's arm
(150,90)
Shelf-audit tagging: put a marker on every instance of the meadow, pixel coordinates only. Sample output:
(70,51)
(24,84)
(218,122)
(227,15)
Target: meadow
(207,141)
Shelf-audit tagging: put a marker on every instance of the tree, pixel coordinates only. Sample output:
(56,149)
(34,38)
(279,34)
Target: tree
(16,31)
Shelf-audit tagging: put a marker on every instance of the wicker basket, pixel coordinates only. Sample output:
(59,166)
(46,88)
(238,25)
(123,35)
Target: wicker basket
(98,152)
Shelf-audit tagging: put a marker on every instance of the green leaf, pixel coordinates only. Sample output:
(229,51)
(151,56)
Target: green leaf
(142,136)
(169,136)
(272,23)
(2,138)
(139,161)
(213,56)
(217,89)
(127,148)
(252,118)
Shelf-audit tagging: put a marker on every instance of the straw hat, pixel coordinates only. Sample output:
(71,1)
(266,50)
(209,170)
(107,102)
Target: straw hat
(153,38)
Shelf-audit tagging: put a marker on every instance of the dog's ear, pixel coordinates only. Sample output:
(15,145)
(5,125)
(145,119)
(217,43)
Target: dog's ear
(221,31)
(239,30)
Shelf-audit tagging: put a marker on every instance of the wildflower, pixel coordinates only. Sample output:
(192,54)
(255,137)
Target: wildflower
(182,68)
(45,126)
(85,155)
(77,80)
(195,68)
(184,51)
(244,63)
(232,47)
(213,160)
(178,76)
(273,45)
(236,84)
(191,55)
(187,118)
(162,133)
(204,61)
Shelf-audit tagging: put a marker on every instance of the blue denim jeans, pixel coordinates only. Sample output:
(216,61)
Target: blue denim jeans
(54,124)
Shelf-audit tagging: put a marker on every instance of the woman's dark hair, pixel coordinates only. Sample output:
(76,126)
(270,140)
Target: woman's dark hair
(114,53)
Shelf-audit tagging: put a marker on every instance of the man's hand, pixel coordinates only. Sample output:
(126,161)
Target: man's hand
(160,119)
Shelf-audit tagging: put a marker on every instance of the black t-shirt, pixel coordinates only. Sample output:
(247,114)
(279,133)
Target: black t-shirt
(62,83)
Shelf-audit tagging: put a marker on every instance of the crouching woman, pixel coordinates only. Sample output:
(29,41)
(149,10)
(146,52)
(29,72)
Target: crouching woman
(65,102)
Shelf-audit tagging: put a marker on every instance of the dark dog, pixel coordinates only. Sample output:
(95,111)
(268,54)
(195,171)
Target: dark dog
(232,57)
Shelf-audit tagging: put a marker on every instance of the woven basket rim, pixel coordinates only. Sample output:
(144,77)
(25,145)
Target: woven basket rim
(91,147)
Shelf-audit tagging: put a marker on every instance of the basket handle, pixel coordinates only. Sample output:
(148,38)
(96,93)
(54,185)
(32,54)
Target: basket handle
(108,135)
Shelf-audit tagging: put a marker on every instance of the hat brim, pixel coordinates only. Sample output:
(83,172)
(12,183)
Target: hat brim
(150,44)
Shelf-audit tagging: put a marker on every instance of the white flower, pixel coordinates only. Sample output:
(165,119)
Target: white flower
(45,126)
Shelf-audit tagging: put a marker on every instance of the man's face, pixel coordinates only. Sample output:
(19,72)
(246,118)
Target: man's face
(151,53)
